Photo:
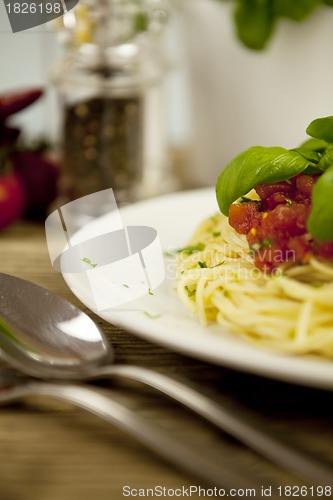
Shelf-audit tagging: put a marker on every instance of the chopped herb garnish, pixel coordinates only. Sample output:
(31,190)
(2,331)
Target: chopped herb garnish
(317,285)
(192,248)
(216,234)
(255,247)
(266,243)
(219,264)
(288,201)
(151,316)
(88,261)
(226,293)
(125,286)
(150,292)
(190,293)
(202,264)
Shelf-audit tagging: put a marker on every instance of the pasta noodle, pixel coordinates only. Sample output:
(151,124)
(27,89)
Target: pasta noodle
(290,310)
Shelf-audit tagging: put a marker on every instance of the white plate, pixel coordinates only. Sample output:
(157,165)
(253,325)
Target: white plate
(175,217)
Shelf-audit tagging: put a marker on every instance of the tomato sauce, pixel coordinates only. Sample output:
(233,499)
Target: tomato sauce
(275,226)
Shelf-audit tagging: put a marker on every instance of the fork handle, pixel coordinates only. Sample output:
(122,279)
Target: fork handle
(220,475)
(237,422)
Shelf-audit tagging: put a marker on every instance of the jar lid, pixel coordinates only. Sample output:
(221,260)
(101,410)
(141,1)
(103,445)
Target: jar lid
(107,24)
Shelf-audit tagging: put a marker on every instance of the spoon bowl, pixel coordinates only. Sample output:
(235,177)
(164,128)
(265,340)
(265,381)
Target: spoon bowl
(44,334)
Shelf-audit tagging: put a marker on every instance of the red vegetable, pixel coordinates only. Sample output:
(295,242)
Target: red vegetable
(305,184)
(277,232)
(242,216)
(8,135)
(32,184)
(12,198)
(13,102)
(265,191)
(40,176)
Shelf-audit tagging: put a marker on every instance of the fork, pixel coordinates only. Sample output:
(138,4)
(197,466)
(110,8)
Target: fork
(220,475)
(236,421)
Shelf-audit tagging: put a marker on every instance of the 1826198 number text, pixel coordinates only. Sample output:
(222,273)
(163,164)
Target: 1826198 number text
(34,8)
(304,491)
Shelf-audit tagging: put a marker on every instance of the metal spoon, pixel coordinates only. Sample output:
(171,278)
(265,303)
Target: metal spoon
(45,336)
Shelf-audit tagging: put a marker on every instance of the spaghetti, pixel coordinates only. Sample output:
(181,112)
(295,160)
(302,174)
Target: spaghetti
(289,310)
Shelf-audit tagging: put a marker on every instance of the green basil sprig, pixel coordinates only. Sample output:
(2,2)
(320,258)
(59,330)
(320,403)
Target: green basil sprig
(257,165)
(265,165)
(320,222)
(256,20)
(321,128)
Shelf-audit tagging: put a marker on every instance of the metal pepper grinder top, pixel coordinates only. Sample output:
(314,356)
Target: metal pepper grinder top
(111,86)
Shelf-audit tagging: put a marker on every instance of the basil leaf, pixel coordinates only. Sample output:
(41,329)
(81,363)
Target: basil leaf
(257,165)
(308,154)
(321,128)
(327,159)
(320,147)
(320,221)
(312,171)
(297,10)
(254,22)
(315,144)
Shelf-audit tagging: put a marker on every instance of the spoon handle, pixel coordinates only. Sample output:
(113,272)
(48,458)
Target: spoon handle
(236,421)
(220,475)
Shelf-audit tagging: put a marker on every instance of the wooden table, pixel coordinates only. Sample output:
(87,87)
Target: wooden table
(53,451)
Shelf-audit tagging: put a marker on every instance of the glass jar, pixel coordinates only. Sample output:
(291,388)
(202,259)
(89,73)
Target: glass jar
(111,84)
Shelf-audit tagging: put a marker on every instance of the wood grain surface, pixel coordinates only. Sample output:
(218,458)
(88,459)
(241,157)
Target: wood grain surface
(53,451)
